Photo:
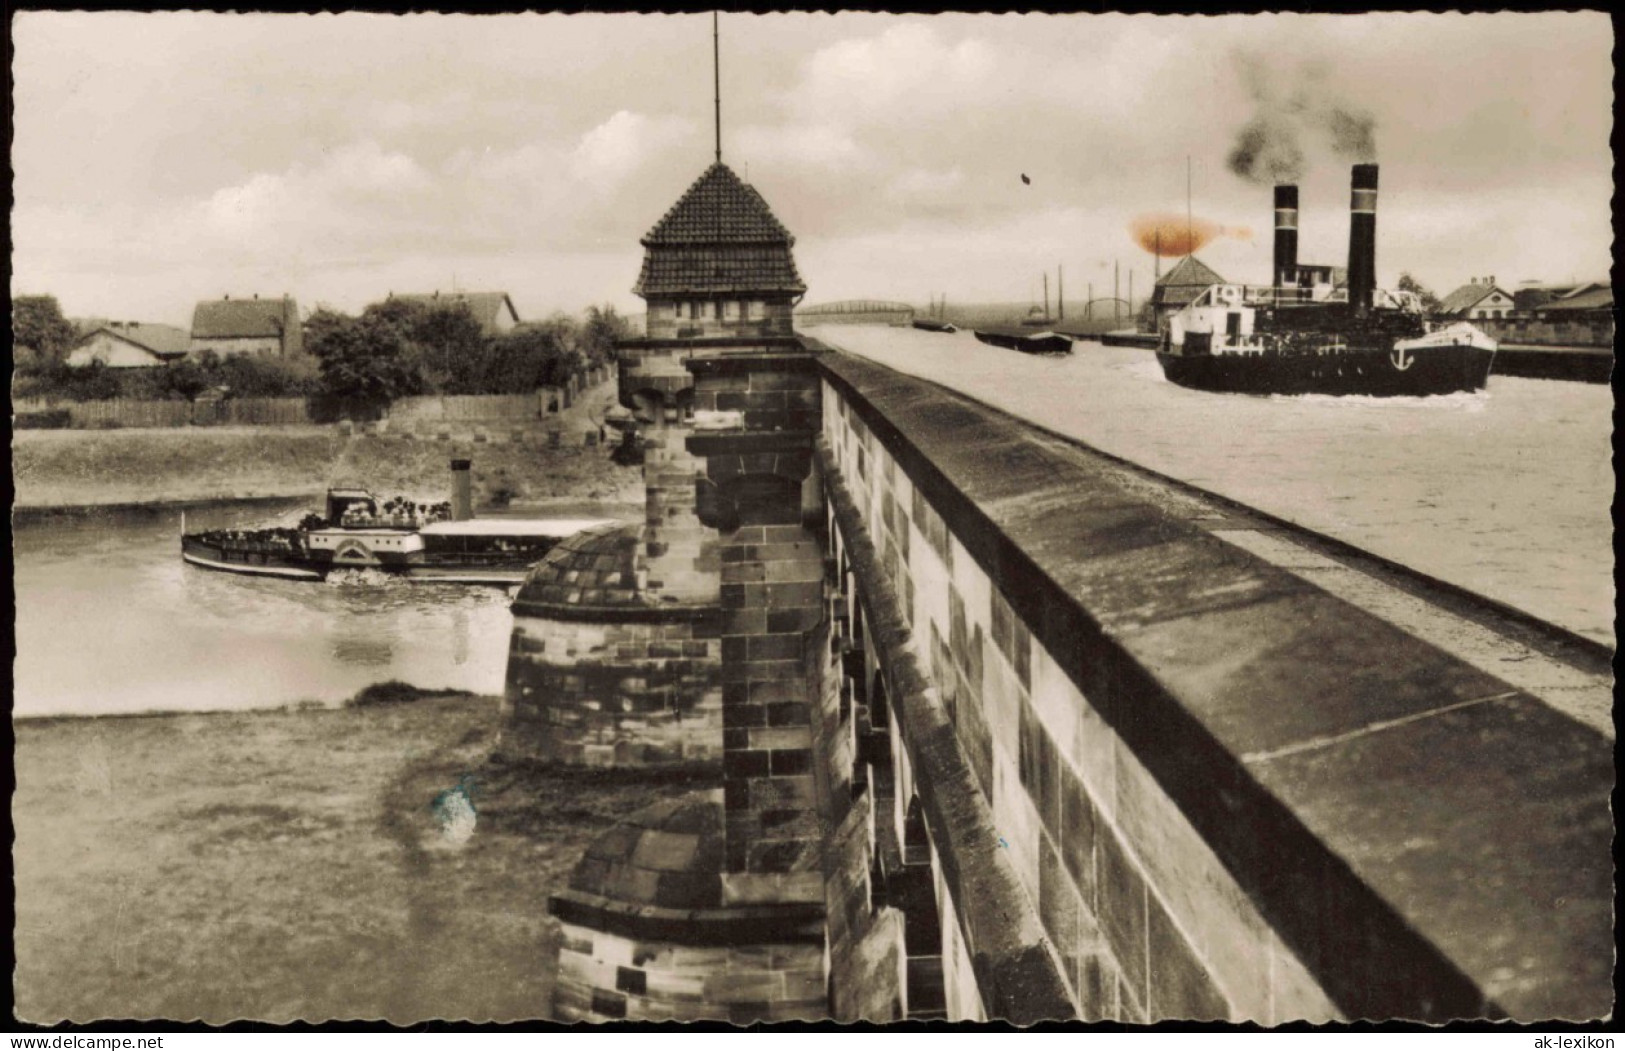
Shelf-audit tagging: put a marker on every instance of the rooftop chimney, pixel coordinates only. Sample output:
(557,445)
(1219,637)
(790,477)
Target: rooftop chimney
(1363,238)
(1286,238)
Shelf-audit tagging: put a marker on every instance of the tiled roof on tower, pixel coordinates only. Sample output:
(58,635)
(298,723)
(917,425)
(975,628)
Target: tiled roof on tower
(720,237)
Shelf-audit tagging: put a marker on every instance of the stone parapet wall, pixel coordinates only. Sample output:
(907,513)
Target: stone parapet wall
(1217,791)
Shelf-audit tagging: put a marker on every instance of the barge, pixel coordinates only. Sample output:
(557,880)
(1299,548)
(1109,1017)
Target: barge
(1035,340)
(1304,335)
(442,543)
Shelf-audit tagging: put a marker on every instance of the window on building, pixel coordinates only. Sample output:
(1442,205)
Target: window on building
(693,310)
(718,306)
(744,310)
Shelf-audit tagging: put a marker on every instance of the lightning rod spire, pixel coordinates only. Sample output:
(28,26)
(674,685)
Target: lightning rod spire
(716,75)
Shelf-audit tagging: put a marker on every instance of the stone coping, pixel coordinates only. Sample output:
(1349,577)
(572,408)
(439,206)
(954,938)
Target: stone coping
(791,342)
(787,923)
(792,359)
(1429,841)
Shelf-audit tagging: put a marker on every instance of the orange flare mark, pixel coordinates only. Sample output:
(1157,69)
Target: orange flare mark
(1174,235)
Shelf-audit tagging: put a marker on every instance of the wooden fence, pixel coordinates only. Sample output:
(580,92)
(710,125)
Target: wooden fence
(128,412)
(259,412)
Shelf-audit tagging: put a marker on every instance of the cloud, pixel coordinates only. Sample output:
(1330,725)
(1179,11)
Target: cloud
(620,145)
(329,155)
(908,72)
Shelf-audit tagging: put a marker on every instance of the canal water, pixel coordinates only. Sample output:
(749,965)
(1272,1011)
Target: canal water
(1505,492)
(109,620)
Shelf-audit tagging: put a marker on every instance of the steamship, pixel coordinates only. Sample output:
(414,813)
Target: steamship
(443,544)
(1303,335)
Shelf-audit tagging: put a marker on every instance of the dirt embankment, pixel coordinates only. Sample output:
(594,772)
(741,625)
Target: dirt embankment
(281,865)
(53,469)
(66,469)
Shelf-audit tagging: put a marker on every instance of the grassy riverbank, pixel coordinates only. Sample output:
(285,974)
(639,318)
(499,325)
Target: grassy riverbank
(55,469)
(94,468)
(288,864)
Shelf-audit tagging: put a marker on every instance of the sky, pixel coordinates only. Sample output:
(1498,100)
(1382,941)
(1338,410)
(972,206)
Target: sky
(164,158)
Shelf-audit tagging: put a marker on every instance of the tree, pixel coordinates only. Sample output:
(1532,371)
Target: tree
(604,328)
(1430,302)
(535,354)
(37,323)
(191,376)
(363,359)
(252,376)
(450,344)
(444,342)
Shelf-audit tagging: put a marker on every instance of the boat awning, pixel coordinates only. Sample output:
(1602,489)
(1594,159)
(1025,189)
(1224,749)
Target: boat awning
(555,527)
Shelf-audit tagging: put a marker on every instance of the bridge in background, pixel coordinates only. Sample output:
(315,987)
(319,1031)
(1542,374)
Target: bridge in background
(855,312)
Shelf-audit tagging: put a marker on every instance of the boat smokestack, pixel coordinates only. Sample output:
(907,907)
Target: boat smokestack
(1363,238)
(1286,238)
(462,491)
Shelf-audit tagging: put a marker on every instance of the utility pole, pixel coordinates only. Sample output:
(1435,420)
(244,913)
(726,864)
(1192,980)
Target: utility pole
(1117,303)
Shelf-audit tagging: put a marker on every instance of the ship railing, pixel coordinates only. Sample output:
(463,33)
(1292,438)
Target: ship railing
(1248,295)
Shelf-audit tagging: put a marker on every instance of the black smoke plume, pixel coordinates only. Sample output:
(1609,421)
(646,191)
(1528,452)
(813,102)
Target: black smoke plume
(1290,107)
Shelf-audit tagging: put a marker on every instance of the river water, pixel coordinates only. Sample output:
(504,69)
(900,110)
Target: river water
(1505,492)
(109,620)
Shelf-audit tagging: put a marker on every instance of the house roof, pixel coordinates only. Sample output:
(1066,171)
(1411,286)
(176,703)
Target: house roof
(166,341)
(1190,271)
(485,306)
(1184,282)
(720,237)
(242,318)
(1466,297)
(1590,297)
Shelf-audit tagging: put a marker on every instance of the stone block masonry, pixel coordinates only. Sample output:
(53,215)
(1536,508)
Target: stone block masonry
(1216,791)
(613,693)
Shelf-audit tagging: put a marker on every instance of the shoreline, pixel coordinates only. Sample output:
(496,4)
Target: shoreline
(84,471)
(384,693)
(272,866)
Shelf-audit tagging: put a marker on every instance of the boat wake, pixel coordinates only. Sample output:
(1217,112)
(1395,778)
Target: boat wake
(364,578)
(1457,401)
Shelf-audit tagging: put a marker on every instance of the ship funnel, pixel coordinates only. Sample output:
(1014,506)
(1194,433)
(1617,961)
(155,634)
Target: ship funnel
(1363,238)
(1286,239)
(462,492)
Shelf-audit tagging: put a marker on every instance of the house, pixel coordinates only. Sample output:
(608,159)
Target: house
(129,344)
(1531,295)
(1175,289)
(719,263)
(1593,300)
(268,327)
(1479,299)
(493,310)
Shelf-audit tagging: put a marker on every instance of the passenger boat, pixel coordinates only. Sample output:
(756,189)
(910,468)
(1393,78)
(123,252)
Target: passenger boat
(1303,335)
(439,544)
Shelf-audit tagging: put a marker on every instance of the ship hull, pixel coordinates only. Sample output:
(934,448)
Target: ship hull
(1036,343)
(423,566)
(1375,373)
